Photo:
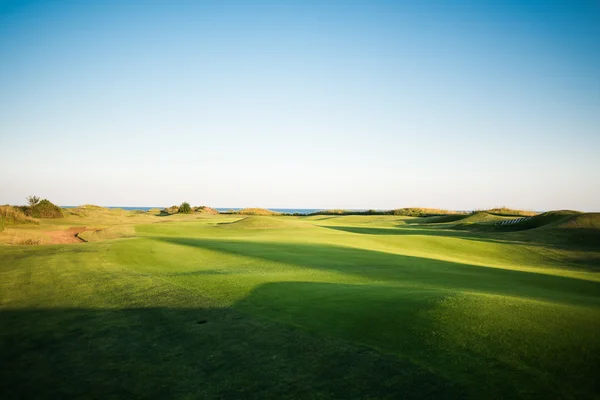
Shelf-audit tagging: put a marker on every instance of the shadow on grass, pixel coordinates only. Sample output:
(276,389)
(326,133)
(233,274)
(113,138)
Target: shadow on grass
(513,360)
(409,270)
(193,353)
(566,239)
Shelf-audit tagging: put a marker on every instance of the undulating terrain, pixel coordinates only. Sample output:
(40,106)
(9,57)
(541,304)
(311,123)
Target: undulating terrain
(347,307)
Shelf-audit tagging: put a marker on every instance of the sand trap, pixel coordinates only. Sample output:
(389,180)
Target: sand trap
(66,236)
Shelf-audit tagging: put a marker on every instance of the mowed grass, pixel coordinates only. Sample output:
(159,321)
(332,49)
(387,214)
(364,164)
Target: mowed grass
(298,307)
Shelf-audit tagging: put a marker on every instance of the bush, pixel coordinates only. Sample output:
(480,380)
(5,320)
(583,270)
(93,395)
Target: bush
(33,200)
(10,215)
(185,208)
(43,209)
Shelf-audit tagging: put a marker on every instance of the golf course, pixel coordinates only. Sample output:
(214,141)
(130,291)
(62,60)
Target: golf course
(109,303)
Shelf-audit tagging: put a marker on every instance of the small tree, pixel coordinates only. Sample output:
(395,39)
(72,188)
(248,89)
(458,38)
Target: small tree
(185,208)
(33,200)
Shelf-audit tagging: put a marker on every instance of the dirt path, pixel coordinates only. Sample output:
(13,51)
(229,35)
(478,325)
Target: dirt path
(67,236)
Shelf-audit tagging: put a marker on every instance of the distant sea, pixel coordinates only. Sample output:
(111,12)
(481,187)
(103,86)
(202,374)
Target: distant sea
(224,209)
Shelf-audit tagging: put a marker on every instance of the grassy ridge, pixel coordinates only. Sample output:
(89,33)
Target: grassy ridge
(255,211)
(509,212)
(256,222)
(10,215)
(348,307)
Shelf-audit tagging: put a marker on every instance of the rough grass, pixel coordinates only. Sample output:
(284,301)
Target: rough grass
(260,222)
(349,307)
(255,211)
(407,212)
(111,232)
(422,212)
(205,209)
(29,242)
(550,218)
(509,212)
(10,215)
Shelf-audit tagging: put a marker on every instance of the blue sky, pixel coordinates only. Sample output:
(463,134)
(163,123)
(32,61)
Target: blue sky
(316,104)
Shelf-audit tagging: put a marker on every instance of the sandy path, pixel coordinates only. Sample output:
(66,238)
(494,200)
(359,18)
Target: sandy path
(67,236)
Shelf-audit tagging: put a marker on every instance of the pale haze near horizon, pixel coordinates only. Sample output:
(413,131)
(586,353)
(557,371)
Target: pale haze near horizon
(301,104)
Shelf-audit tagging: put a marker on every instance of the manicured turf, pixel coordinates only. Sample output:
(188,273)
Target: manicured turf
(342,307)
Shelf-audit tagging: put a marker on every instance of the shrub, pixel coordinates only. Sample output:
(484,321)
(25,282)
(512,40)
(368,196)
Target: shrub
(185,208)
(33,200)
(169,210)
(10,215)
(43,209)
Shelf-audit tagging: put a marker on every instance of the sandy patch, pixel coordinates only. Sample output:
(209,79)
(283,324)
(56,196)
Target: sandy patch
(67,236)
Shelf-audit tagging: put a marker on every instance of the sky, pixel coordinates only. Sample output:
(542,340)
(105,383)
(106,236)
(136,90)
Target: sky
(301,104)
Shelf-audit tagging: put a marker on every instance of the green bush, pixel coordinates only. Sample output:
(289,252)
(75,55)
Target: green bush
(185,208)
(43,209)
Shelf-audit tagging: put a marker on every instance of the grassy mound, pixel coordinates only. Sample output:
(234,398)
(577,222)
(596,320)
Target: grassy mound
(205,210)
(442,219)
(509,212)
(546,219)
(423,212)
(10,215)
(112,232)
(43,209)
(580,221)
(256,211)
(576,230)
(477,220)
(262,222)
(170,210)
(84,211)
(343,212)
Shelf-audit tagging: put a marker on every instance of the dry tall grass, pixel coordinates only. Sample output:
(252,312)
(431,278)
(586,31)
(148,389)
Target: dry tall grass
(10,215)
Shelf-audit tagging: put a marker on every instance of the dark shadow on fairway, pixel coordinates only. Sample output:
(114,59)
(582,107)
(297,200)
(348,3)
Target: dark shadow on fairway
(165,353)
(567,239)
(397,320)
(380,266)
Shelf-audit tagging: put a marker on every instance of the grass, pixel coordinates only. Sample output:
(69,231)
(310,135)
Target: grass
(509,212)
(43,209)
(255,211)
(230,306)
(10,215)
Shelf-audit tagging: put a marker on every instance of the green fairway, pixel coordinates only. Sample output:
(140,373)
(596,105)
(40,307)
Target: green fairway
(234,306)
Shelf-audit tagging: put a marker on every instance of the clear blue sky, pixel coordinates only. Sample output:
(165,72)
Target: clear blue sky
(316,104)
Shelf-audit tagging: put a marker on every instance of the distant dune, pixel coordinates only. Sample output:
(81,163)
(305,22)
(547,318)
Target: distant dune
(264,222)
(256,211)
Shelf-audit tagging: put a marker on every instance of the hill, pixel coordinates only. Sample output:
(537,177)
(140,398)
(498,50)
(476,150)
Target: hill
(509,212)
(256,211)
(10,215)
(43,209)
(547,219)
(264,222)
(461,221)
(205,210)
(423,212)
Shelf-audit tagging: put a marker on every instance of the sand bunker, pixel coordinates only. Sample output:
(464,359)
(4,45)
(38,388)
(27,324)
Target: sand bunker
(66,236)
